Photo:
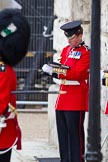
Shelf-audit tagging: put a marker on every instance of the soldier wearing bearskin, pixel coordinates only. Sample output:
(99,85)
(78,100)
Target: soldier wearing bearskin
(14,40)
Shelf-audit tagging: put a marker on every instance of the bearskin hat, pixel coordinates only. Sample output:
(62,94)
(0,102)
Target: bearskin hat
(14,36)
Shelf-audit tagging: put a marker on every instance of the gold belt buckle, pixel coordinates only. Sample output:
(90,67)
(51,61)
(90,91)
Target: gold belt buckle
(63,81)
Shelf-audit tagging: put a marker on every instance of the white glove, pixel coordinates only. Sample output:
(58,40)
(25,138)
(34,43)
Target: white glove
(102,74)
(2,122)
(47,69)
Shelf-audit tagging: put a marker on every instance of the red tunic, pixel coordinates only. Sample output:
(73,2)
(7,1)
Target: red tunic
(7,85)
(76,97)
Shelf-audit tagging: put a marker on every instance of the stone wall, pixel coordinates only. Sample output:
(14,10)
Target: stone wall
(67,11)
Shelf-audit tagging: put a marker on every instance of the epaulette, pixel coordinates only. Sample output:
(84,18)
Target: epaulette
(87,47)
(2,67)
(84,45)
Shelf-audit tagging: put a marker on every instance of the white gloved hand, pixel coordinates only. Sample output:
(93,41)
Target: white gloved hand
(102,74)
(47,69)
(102,77)
(2,122)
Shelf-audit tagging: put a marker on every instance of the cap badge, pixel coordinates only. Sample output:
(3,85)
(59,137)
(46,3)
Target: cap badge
(8,30)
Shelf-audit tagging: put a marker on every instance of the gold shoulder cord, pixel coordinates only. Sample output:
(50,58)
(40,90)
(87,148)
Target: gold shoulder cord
(13,109)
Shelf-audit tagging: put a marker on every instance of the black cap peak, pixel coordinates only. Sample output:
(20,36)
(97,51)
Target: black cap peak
(71,25)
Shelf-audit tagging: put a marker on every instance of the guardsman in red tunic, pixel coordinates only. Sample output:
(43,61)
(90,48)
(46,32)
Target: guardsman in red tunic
(14,40)
(73,75)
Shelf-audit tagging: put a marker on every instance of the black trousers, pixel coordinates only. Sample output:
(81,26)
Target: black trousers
(5,157)
(71,135)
